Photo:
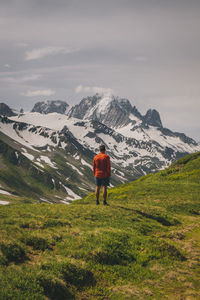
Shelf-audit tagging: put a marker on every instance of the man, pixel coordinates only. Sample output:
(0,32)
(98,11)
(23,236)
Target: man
(102,172)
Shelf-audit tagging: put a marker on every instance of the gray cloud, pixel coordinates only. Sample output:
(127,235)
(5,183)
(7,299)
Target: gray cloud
(147,51)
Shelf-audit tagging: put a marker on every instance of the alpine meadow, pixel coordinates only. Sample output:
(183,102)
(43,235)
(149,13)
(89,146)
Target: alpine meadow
(145,245)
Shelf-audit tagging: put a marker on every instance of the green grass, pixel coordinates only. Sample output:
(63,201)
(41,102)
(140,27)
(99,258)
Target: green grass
(145,245)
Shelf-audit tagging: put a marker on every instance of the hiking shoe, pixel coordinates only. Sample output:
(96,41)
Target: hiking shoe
(97,202)
(105,203)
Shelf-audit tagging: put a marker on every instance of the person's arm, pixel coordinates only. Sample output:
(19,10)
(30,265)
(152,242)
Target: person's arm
(109,167)
(94,167)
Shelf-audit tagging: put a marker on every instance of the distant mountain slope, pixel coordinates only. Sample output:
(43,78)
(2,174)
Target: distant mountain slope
(137,144)
(44,164)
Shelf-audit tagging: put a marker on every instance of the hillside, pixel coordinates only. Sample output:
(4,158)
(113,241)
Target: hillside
(145,245)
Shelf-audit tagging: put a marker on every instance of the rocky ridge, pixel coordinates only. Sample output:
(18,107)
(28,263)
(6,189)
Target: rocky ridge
(48,106)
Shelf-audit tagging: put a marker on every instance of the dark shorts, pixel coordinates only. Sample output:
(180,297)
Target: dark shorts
(102,181)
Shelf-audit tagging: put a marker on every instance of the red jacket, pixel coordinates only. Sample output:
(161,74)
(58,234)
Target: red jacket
(101,165)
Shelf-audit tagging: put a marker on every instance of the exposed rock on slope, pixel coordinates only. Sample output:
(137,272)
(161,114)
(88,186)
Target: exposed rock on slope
(50,107)
(6,111)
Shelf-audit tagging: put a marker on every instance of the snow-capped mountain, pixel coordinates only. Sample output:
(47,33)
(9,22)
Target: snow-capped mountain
(5,110)
(111,111)
(66,142)
(48,106)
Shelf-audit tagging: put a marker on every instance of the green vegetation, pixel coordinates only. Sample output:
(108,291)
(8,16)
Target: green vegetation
(25,179)
(145,245)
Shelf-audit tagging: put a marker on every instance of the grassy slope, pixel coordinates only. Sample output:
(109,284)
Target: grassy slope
(21,177)
(145,245)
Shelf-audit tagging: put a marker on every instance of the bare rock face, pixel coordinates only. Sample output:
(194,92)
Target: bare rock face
(152,118)
(48,106)
(5,110)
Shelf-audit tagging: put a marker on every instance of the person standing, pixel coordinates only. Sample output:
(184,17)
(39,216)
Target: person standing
(102,172)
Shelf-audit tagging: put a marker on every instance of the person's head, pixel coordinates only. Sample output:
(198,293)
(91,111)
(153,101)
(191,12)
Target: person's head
(102,148)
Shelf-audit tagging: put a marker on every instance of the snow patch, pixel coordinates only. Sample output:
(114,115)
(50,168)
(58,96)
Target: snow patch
(39,164)
(74,168)
(65,202)
(86,164)
(4,202)
(71,194)
(76,156)
(5,192)
(28,155)
(44,200)
(47,160)
(17,155)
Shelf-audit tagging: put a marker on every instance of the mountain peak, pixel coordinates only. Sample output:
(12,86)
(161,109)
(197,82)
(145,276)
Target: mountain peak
(50,106)
(152,118)
(106,108)
(6,110)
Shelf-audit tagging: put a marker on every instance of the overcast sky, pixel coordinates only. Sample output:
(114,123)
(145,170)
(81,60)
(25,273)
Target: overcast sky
(145,50)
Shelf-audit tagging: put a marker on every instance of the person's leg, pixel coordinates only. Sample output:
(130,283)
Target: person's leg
(97,193)
(104,194)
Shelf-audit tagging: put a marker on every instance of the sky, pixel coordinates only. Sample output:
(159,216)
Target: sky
(147,51)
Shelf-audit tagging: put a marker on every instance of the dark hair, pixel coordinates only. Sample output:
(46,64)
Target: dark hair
(102,148)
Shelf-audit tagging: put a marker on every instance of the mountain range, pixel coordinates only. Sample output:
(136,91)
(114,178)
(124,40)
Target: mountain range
(52,147)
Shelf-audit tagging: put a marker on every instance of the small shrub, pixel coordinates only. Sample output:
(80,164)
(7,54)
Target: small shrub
(13,252)
(147,250)
(77,276)
(167,250)
(38,243)
(54,288)
(71,273)
(115,251)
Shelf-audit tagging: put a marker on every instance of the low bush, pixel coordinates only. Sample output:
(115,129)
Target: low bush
(13,252)
(114,251)
(54,288)
(36,242)
(72,274)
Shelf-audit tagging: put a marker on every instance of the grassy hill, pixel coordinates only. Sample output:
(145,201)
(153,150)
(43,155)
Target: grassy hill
(145,245)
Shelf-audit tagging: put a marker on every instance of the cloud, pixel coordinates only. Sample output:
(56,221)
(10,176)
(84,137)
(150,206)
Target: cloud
(7,66)
(93,89)
(42,52)
(19,80)
(47,92)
